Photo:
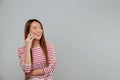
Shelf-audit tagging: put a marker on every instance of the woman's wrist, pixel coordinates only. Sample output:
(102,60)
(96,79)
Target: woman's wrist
(27,48)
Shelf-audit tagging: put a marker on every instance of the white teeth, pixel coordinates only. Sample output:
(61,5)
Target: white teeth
(37,35)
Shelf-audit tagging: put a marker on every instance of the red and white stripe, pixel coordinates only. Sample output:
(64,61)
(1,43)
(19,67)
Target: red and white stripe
(39,61)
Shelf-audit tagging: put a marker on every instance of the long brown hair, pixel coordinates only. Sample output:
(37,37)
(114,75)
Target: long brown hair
(42,41)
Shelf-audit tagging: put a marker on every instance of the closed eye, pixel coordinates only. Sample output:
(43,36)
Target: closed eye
(34,27)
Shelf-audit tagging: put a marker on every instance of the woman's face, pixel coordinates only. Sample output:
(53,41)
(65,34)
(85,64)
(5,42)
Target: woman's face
(36,30)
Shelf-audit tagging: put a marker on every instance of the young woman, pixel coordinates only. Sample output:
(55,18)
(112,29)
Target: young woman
(37,57)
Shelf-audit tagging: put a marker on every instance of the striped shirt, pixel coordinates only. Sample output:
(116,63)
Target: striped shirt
(39,61)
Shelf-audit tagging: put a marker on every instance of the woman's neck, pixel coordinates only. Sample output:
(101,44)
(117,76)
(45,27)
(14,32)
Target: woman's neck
(35,43)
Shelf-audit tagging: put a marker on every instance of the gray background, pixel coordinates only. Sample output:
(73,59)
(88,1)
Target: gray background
(85,33)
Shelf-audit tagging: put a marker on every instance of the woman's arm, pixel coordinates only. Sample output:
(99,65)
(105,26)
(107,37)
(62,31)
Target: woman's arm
(25,67)
(27,59)
(28,44)
(52,64)
(25,55)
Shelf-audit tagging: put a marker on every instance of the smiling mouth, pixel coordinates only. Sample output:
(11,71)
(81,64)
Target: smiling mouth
(37,35)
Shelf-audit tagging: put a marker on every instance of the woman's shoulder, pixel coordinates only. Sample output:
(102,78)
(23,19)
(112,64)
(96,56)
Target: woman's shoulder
(49,43)
(21,49)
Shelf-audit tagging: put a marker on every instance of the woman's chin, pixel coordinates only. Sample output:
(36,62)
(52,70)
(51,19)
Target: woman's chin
(38,38)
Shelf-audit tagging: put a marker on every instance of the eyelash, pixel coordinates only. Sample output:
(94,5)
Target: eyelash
(36,28)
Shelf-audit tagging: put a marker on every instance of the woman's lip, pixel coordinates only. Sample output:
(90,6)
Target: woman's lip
(37,35)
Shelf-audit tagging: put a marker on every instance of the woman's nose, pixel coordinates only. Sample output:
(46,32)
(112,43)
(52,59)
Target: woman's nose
(38,31)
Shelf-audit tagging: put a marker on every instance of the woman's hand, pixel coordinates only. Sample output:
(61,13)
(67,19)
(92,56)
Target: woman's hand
(36,72)
(29,39)
(28,75)
(32,73)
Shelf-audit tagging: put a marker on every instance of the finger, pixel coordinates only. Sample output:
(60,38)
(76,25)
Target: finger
(29,34)
(32,36)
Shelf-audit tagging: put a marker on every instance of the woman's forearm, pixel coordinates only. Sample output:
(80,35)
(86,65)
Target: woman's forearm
(27,59)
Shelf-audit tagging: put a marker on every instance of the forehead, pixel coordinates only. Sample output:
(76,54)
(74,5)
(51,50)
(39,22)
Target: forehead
(34,23)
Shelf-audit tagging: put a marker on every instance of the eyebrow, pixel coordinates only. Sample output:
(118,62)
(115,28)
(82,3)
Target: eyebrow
(38,26)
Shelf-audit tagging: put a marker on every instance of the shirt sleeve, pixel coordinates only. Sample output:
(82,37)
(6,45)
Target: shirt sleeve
(21,54)
(52,60)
